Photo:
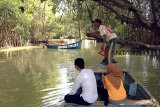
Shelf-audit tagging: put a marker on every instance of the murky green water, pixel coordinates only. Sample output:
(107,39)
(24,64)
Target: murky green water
(41,77)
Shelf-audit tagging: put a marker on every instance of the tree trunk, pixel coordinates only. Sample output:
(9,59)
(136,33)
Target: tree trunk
(130,43)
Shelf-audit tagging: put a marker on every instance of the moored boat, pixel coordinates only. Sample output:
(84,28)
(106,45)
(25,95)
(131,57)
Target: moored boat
(76,45)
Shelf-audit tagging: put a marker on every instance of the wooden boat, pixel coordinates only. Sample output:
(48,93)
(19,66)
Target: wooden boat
(76,45)
(142,98)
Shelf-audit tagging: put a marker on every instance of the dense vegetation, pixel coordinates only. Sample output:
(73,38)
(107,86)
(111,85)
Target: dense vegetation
(24,21)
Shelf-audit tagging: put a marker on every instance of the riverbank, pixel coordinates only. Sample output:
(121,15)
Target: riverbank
(18,48)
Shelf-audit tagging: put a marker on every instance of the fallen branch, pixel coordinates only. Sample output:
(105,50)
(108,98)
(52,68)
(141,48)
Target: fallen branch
(134,44)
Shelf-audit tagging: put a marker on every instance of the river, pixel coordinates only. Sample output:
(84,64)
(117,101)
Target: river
(41,77)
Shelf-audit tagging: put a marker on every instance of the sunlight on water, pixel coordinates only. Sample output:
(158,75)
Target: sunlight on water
(54,97)
(155,62)
(144,70)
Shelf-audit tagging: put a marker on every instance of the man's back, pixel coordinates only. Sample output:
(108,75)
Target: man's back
(89,85)
(104,30)
(85,81)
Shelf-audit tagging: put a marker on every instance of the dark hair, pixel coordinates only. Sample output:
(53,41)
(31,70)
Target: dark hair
(97,21)
(79,62)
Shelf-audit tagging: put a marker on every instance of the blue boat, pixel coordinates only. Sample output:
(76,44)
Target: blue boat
(76,45)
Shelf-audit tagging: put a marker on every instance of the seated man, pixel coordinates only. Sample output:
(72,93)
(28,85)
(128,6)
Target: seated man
(85,80)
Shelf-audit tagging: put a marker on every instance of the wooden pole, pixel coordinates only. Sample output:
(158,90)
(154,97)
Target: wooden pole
(79,25)
(43,20)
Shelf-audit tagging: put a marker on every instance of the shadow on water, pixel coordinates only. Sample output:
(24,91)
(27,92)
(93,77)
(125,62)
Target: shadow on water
(41,77)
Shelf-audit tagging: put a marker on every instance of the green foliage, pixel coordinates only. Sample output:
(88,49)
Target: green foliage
(20,21)
(41,18)
(54,4)
(8,7)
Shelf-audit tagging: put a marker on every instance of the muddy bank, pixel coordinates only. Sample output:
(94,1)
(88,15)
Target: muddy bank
(19,48)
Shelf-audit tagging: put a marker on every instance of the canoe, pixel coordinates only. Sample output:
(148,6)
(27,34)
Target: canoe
(142,98)
(76,45)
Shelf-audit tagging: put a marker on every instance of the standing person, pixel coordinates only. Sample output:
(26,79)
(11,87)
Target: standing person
(113,85)
(108,36)
(87,82)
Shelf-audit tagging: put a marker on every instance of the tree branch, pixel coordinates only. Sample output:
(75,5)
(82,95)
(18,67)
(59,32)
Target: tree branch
(119,16)
(135,44)
(141,20)
(137,19)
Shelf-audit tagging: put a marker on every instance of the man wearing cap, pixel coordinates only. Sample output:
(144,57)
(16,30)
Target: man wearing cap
(108,36)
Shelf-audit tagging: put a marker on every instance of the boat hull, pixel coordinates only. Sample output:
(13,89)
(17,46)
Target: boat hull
(76,45)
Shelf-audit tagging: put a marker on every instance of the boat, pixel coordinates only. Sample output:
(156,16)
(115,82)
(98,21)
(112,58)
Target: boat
(76,45)
(142,98)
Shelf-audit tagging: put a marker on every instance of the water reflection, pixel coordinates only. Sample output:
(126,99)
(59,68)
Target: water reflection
(127,59)
(145,61)
(41,77)
(154,62)
(89,42)
(66,76)
(25,76)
